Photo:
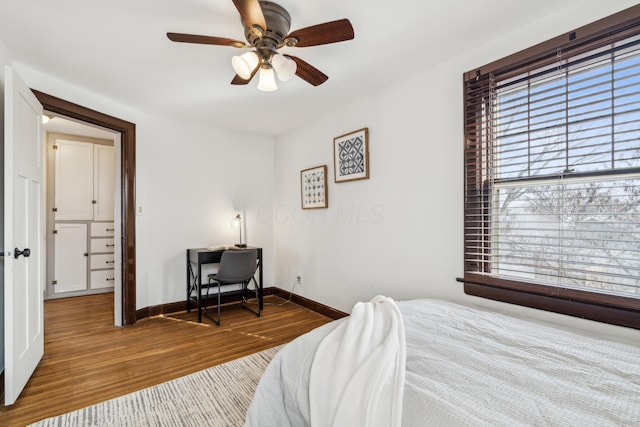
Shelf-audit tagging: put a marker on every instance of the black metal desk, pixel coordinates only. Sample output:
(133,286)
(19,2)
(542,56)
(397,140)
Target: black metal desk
(198,256)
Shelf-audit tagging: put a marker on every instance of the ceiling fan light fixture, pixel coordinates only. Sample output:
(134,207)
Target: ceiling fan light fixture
(244,64)
(285,67)
(267,81)
(266,29)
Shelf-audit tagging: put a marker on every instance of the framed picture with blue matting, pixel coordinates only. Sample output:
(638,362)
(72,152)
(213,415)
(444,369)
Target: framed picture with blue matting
(351,156)
(313,187)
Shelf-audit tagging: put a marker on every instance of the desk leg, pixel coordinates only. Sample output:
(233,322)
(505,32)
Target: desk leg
(188,284)
(260,301)
(199,288)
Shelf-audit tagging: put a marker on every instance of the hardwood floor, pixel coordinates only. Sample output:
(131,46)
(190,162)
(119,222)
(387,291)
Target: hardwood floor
(88,360)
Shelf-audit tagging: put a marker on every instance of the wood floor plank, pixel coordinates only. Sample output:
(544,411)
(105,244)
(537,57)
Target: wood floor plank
(88,360)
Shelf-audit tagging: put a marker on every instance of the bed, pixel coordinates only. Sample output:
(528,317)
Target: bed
(469,366)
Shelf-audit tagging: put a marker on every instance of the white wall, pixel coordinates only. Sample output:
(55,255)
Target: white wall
(399,233)
(190,183)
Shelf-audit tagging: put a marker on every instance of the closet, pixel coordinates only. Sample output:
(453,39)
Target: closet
(80,219)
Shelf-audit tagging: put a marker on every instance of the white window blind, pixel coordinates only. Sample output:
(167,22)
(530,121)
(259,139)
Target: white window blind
(552,172)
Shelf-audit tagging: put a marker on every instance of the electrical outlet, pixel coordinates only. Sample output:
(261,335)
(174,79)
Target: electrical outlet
(298,280)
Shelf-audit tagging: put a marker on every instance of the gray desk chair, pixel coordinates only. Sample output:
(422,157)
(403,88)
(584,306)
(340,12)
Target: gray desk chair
(237,267)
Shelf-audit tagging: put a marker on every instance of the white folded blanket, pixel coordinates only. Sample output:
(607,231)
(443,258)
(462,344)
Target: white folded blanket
(357,374)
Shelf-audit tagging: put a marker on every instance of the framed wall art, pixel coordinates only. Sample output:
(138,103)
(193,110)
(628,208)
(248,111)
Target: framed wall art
(351,156)
(313,187)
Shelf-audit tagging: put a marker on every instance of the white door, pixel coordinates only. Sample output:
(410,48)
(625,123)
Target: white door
(73,180)
(103,182)
(24,235)
(70,253)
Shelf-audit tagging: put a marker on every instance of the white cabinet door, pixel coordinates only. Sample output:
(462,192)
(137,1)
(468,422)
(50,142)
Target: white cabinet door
(73,180)
(103,182)
(70,265)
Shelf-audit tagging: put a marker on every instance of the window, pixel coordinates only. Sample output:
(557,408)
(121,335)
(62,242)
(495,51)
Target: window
(552,174)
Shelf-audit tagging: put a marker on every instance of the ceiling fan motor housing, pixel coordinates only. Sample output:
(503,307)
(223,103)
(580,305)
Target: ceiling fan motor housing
(278,24)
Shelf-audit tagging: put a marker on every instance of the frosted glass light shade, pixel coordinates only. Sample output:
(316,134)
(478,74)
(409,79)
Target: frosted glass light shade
(244,64)
(267,81)
(285,67)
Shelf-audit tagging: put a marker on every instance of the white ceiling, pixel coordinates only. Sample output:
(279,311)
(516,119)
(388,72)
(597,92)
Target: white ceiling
(119,49)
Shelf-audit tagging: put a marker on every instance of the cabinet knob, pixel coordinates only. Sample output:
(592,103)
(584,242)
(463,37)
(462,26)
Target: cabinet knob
(25,252)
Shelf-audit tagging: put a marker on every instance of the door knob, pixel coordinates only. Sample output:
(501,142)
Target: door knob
(17,252)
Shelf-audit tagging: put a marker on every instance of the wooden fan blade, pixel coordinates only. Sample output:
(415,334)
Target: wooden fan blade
(237,80)
(329,32)
(308,72)
(251,13)
(192,38)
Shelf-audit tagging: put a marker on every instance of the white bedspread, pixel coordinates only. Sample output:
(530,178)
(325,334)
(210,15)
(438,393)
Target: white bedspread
(467,366)
(357,374)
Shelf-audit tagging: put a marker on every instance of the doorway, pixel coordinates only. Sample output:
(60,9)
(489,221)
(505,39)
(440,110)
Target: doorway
(82,197)
(126,289)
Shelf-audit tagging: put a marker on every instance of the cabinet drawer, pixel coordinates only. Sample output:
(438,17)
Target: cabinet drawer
(101,261)
(102,229)
(101,245)
(102,279)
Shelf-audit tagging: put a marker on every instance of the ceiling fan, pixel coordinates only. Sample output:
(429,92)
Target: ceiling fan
(266,28)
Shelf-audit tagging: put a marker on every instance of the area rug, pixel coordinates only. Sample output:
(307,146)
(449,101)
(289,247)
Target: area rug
(217,396)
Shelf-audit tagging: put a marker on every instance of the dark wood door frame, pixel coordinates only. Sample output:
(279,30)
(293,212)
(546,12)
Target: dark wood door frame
(127,190)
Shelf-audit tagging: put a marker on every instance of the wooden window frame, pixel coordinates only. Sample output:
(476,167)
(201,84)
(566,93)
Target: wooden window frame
(603,307)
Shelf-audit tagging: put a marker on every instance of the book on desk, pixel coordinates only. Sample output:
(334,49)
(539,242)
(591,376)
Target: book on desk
(225,247)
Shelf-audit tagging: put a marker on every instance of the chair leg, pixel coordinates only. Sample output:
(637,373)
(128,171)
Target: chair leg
(245,288)
(255,284)
(204,311)
(257,298)
(218,322)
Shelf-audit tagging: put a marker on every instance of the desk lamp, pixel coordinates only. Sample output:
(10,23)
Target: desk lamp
(238,223)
